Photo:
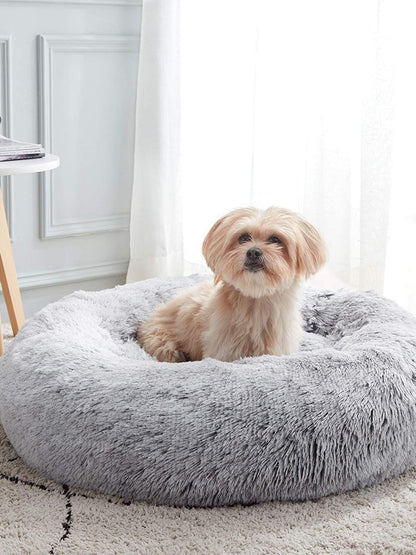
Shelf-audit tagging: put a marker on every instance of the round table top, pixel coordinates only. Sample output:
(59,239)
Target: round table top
(13,167)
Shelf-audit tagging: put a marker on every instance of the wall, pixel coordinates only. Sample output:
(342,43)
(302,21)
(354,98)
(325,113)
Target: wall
(68,75)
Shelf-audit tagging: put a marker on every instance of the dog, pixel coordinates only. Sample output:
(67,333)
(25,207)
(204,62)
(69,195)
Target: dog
(252,306)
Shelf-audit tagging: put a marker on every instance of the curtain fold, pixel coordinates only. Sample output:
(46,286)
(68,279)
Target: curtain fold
(156,243)
(307,105)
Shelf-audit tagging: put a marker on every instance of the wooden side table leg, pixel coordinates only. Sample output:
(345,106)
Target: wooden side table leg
(8,277)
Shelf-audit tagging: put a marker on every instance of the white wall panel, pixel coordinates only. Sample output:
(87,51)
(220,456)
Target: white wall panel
(73,89)
(6,123)
(87,107)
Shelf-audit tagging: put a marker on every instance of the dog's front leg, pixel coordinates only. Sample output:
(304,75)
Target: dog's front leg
(157,335)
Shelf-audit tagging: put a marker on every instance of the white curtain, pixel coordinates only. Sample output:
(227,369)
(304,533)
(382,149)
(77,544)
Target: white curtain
(308,105)
(156,243)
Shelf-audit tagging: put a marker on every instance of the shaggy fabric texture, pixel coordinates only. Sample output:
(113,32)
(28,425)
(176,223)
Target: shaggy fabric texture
(83,404)
(42,516)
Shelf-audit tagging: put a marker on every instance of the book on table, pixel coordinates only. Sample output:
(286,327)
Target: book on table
(18,150)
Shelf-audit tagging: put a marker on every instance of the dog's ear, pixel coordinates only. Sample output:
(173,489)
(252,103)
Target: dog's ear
(211,247)
(310,249)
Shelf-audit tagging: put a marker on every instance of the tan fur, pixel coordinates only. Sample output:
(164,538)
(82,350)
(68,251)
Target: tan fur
(243,313)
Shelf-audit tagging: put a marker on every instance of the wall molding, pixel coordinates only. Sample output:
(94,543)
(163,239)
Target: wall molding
(6,123)
(47,46)
(127,3)
(72,275)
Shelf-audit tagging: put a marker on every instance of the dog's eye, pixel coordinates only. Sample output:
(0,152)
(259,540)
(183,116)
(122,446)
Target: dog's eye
(245,238)
(274,239)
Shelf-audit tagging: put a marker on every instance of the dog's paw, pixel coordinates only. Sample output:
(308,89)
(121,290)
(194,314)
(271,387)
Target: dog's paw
(168,353)
(160,345)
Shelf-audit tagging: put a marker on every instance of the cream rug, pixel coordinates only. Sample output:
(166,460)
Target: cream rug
(41,516)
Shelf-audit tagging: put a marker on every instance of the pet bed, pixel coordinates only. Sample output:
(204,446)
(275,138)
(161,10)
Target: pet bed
(82,403)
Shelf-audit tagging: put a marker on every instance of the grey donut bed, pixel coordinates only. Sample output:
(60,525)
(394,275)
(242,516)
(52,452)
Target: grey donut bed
(83,404)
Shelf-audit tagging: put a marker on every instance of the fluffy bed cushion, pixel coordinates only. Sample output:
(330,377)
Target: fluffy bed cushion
(82,403)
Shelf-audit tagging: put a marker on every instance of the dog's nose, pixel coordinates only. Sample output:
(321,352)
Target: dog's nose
(254,254)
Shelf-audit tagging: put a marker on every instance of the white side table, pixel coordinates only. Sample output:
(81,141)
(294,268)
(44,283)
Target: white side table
(8,277)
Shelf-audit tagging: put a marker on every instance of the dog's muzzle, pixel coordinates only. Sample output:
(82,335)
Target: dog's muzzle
(254,261)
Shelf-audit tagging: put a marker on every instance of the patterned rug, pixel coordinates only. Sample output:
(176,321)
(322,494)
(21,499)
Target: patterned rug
(38,515)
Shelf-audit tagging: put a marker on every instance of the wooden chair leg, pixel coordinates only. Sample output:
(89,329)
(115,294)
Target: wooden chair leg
(8,276)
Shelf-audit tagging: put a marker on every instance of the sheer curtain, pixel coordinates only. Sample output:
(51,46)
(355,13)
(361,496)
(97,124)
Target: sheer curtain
(308,105)
(156,245)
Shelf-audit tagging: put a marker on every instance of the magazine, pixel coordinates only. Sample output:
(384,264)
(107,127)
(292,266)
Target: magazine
(18,150)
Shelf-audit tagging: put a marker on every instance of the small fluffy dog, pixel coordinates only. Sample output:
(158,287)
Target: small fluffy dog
(252,307)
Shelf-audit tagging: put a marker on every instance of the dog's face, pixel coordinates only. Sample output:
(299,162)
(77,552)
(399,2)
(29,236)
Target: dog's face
(261,251)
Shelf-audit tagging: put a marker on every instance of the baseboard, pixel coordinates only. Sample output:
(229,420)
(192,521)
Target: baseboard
(72,275)
(131,3)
